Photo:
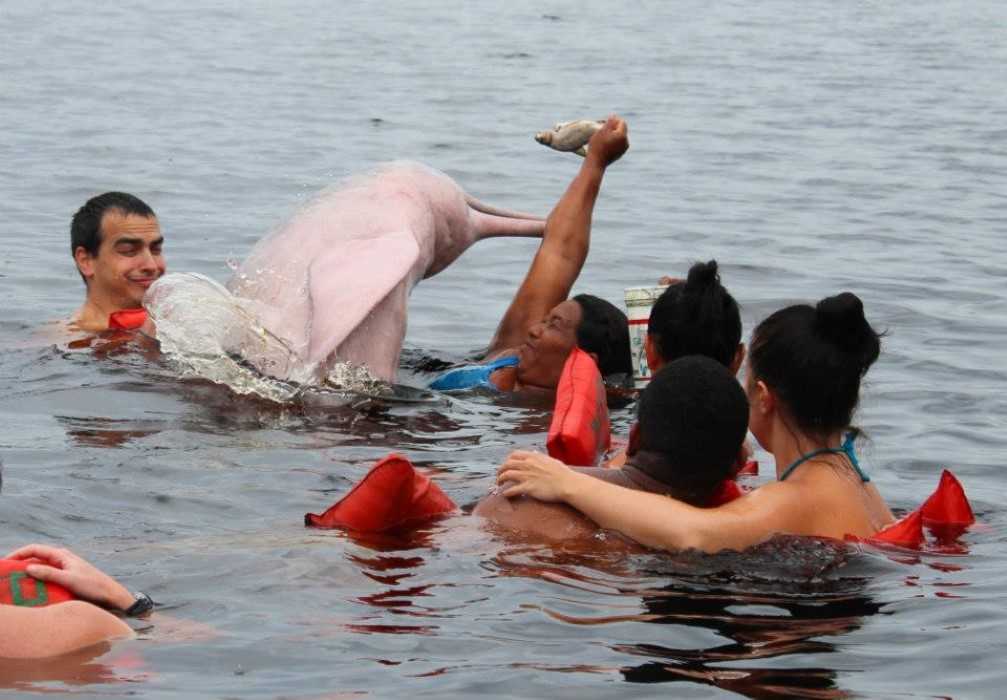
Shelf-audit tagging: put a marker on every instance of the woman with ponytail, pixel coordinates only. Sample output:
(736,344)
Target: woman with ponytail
(803,385)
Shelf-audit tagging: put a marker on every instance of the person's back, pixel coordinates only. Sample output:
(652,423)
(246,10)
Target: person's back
(692,421)
(805,368)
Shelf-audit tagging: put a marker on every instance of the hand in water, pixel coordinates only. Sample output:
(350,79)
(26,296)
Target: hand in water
(610,142)
(534,474)
(73,573)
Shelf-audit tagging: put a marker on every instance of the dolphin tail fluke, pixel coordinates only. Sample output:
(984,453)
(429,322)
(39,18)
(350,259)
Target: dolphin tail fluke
(491,225)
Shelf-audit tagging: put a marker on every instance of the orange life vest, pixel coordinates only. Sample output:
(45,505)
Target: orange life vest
(580,429)
(127,319)
(946,513)
(727,491)
(392,493)
(18,588)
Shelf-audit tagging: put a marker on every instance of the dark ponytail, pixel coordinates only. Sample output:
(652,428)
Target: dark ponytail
(814,359)
(696,317)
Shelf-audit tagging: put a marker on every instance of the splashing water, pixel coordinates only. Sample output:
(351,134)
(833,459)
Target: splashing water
(212,334)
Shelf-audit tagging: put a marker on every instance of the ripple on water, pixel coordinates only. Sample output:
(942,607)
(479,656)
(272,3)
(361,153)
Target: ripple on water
(808,150)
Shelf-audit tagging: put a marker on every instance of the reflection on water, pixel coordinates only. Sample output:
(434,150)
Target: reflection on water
(809,148)
(769,619)
(104,432)
(97,664)
(759,627)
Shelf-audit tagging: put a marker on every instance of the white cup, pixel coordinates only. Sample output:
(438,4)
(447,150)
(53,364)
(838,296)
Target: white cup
(639,301)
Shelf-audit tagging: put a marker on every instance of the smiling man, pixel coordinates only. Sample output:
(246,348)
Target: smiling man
(116,243)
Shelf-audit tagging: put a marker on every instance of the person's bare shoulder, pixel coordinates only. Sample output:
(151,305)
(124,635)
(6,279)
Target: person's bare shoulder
(550,521)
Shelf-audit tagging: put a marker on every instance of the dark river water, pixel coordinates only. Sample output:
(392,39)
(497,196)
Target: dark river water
(809,147)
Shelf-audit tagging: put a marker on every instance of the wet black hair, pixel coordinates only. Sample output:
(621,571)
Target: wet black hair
(604,330)
(85,228)
(696,317)
(693,418)
(814,359)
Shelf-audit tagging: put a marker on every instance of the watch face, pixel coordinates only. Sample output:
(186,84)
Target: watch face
(142,606)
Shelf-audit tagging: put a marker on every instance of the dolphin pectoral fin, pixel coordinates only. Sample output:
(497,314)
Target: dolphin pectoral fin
(582,151)
(346,285)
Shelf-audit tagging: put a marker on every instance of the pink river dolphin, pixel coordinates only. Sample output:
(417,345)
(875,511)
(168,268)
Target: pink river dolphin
(333,283)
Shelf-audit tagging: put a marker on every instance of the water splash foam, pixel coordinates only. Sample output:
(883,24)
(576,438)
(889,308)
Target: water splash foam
(214,335)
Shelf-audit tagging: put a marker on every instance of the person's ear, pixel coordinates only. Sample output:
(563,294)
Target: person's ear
(739,358)
(764,399)
(654,361)
(634,440)
(85,262)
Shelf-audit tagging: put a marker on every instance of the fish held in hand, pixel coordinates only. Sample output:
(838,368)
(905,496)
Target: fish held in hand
(570,136)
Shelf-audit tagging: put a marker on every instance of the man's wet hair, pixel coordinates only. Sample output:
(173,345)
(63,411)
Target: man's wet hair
(696,317)
(693,418)
(604,330)
(85,228)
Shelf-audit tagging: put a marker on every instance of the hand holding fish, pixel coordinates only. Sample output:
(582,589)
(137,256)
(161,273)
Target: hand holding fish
(580,137)
(610,142)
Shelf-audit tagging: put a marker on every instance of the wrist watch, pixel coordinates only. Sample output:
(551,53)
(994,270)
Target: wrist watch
(140,607)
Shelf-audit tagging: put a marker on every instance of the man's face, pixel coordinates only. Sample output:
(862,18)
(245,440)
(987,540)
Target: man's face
(129,259)
(549,342)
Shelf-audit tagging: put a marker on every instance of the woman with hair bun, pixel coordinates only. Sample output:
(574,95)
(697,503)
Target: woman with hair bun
(805,365)
(695,316)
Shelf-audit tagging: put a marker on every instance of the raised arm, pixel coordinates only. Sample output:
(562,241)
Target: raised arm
(565,242)
(654,520)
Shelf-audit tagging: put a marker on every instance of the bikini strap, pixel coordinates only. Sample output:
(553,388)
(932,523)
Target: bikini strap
(845,449)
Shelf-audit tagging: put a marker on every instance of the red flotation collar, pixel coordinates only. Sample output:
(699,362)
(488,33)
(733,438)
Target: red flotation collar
(727,491)
(946,513)
(18,588)
(392,493)
(580,430)
(127,319)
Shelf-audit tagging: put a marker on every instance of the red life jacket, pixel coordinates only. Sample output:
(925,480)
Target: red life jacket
(727,491)
(127,319)
(390,494)
(580,429)
(18,588)
(947,513)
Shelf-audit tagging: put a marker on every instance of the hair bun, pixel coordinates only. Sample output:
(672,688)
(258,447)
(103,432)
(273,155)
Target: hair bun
(840,319)
(701,276)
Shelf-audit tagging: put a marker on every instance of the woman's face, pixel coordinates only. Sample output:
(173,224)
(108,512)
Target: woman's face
(549,342)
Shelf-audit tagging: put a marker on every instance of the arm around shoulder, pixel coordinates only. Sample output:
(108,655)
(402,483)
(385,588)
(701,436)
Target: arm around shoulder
(664,523)
(653,520)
